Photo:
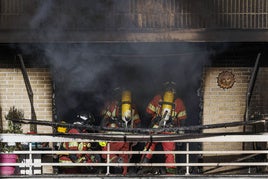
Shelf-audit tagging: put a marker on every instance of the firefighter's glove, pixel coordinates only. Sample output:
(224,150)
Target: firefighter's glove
(88,145)
(155,122)
(155,126)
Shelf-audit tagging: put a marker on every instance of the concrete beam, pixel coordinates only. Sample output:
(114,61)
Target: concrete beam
(200,35)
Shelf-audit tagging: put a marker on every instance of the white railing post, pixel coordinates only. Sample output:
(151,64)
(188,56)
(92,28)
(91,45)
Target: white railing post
(30,159)
(108,159)
(187,159)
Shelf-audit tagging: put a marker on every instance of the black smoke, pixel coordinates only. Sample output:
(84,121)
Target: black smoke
(86,74)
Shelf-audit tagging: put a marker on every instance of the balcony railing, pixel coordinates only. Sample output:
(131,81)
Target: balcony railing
(31,139)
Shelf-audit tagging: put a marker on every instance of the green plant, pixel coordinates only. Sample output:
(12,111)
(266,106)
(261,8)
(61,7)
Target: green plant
(13,127)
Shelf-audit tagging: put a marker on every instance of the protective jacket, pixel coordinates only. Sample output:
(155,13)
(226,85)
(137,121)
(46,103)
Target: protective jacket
(77,158)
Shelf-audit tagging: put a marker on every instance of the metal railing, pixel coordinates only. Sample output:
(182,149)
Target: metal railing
(30,139)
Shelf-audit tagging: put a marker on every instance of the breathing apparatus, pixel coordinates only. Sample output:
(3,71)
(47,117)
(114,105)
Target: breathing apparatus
(126,106)
(167,104)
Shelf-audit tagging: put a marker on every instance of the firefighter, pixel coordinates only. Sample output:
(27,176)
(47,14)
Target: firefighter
(79,146)
(120,112)
(166,111)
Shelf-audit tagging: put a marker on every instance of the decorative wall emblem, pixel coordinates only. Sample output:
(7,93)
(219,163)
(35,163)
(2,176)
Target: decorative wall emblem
(226,79)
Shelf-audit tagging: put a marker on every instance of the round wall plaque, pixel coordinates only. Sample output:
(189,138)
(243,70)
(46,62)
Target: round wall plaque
(226,79)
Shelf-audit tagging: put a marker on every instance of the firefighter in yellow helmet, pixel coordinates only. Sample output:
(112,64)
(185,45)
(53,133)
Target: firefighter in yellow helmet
(120,112)
(166,111)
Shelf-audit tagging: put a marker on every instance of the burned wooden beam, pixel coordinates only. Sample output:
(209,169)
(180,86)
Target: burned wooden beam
(33,127)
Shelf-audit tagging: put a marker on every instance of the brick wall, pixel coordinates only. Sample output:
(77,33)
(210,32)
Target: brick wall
(13,93)
(224,105)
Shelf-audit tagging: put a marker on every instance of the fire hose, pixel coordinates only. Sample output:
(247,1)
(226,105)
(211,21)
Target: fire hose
(140,130)
(151,134)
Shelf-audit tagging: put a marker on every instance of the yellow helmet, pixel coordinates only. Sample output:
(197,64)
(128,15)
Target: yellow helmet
(102,143)
(62,129)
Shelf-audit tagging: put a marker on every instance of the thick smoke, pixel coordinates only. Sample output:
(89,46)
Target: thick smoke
(85,73)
